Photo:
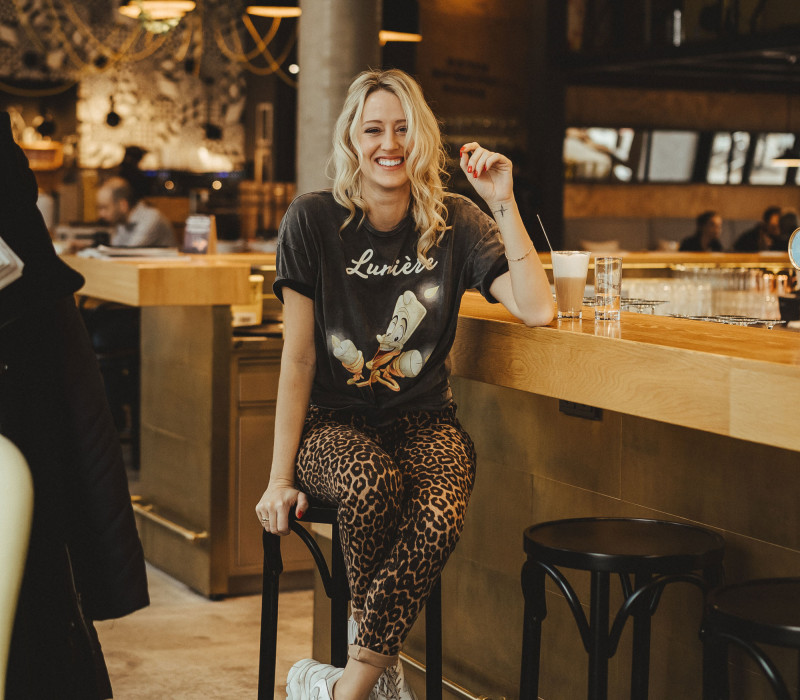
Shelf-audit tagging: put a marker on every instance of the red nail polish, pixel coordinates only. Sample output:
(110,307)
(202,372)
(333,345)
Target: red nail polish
(475,174)
(299,514)
(469,168)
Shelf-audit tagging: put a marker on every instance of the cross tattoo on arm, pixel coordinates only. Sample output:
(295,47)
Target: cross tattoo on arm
(502,210)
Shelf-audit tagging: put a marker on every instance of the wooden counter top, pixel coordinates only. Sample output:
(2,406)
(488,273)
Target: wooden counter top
(731,380)
(736,381)
(188,280)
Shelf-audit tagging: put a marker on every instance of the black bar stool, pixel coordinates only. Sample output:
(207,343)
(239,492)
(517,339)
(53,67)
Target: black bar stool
(762,611)
(654,552)
(337,588)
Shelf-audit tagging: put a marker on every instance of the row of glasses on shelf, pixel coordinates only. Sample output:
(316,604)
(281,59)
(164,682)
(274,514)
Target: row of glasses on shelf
(711,292)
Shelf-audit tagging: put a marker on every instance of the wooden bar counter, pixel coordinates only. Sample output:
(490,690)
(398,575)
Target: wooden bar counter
(721,378)
(699,423)
(207,416)
(186,280)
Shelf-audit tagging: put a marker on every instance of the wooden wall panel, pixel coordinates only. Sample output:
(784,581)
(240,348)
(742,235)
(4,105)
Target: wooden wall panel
(677,109)
(733,202)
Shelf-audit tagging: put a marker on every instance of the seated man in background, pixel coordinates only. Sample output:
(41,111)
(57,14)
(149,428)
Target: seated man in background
(706,236)
(763,235)
(137,223)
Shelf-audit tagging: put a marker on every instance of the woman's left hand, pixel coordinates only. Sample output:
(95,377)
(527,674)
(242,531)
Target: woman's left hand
(488,171)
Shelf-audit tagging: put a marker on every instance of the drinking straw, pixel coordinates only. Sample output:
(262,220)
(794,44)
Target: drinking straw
(544,232)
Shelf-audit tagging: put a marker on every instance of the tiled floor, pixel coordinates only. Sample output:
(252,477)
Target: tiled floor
(186,647)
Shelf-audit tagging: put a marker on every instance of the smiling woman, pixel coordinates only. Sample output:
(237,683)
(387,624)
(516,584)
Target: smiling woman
(371,276)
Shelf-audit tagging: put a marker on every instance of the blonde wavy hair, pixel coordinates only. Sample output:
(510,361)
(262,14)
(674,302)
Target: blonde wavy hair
(425,159)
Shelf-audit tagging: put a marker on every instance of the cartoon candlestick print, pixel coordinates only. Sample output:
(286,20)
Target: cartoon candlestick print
(390,360)
(351,358)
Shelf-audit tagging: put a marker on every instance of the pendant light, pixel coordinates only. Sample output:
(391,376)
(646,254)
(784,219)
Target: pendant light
(276,10)
(157,9)
(157,16)
(112,118)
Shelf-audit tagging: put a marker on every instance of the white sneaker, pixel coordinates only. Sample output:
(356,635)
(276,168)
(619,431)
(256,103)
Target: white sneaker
(311,680)
(392,683)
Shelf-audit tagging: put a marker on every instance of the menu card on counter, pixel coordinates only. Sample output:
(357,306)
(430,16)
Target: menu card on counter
(200,234)
(10,265)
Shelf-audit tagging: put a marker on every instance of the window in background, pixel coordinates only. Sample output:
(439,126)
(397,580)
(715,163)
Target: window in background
(769,146)
(625,155)
(672,156)
(728,154)
(599,154)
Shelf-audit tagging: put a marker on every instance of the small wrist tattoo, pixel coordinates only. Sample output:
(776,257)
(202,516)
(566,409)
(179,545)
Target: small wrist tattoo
(502,210)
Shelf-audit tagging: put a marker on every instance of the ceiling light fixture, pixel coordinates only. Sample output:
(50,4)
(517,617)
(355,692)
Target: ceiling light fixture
(386,35)
(280,10)
(157,16)
(157,9)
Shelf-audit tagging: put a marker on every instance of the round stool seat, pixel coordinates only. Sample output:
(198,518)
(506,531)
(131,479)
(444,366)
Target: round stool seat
(645,554)
(763,610)
(624,545)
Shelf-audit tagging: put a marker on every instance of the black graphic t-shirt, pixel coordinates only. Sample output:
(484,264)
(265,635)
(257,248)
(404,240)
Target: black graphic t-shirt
(384,323)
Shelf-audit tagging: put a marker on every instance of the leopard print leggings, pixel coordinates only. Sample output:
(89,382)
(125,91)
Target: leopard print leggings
(402,492)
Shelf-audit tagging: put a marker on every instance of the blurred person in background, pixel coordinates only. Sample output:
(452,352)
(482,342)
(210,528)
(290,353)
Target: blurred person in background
(137,224)
(85,560)
(763,236)
(706,236)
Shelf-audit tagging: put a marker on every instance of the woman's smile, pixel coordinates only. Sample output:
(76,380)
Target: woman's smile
(390,162)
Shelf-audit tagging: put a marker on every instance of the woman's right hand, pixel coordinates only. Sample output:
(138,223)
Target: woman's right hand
(276,503)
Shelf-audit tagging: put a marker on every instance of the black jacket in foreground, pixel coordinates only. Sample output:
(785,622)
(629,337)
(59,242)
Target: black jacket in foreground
(85,559)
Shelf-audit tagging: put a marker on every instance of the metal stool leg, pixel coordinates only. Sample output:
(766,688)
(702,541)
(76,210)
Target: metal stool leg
(433,643)
(715,667)
(798,675)
(533,591)
(598,637)
(339,599)
(273,566)
(640,667)
(715,651)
